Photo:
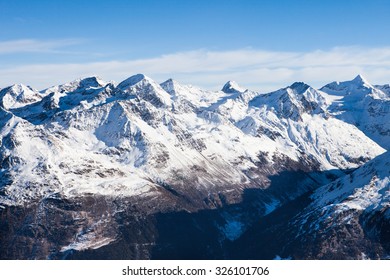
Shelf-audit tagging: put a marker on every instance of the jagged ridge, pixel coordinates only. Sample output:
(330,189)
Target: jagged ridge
(187,148)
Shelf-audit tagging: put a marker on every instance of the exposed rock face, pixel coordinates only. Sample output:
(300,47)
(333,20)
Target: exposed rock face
(346,219)
(90,170)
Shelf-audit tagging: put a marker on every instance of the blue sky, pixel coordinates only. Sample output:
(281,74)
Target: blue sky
(262,45)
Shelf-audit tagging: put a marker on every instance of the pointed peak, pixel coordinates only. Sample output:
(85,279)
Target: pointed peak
(75,85)
(357,86)
(359,79)
(299,87)
(18,95)
(146,89)
(232,87)
(170,86)
(17,88)
(93,81)
(169,82)
(133,80)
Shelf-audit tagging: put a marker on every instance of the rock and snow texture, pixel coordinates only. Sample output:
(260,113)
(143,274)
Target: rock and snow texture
(348,218)
(194,148)
(89,136)
(363,105)
(18,96)
(232,87)
(364,191)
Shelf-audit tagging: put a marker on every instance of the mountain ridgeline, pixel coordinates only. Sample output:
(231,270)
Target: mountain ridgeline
(141,170)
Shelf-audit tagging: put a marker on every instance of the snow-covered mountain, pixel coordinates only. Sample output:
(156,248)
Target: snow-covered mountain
(364,191)
(18,96)
(140,149)
(348,218)
(363,105)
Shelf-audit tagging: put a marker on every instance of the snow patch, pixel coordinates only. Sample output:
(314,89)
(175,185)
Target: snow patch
(270,207)
(233,230)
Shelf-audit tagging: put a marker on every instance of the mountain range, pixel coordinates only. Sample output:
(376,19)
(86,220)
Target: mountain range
(141,170)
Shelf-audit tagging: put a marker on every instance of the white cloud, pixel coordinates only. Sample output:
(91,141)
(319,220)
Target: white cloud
(256,69)
(35,46)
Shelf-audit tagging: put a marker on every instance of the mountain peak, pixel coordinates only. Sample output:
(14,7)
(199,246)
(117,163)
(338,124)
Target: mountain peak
(133,80)
(93,81)
(147,89)
(232,87)
(77,85)
(359,85)
(169,83)
(170,86)
(359,79)
(299,87)
(16,88)
(18,95)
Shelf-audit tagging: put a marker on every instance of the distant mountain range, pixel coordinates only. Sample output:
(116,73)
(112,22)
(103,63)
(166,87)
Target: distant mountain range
(141,170)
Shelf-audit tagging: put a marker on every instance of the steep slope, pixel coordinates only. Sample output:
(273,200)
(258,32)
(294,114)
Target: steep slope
(232,87)
(384,88)
(145,88)
(349,218)
(346,219)
(363,105)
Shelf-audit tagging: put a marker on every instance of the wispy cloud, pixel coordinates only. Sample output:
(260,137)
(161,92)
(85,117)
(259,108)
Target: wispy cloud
(36,46)
(257,69)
